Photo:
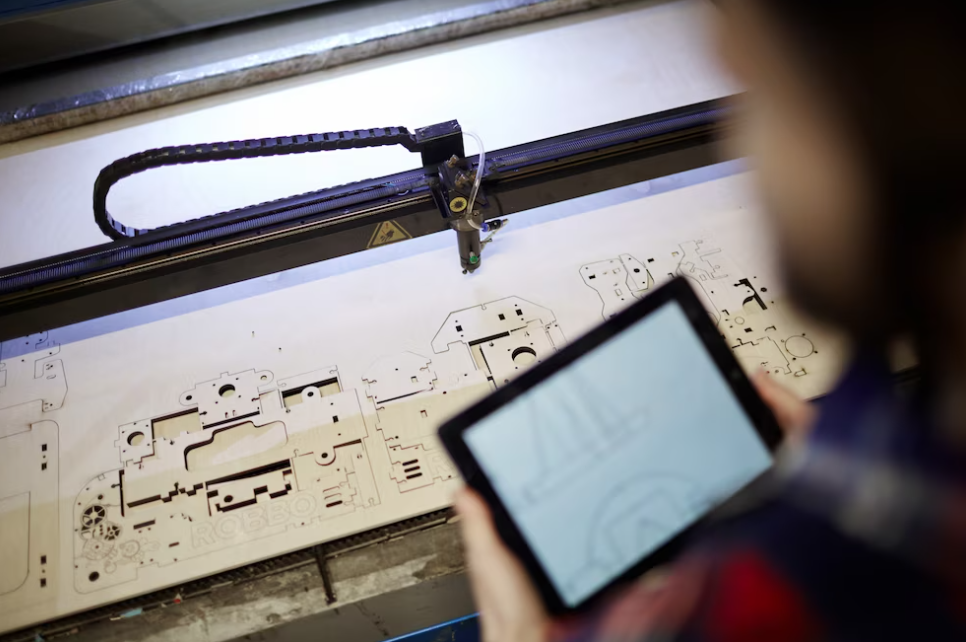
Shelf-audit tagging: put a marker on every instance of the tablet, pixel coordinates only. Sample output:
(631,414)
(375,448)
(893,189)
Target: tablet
(597,462)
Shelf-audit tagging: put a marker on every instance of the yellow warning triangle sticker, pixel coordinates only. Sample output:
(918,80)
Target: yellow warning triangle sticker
(387,232)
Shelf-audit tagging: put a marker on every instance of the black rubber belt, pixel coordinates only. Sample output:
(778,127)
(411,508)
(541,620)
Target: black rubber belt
(254,148)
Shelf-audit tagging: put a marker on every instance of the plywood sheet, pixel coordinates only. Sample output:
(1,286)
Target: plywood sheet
(197,442)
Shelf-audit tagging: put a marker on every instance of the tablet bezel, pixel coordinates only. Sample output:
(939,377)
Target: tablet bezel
(451,433)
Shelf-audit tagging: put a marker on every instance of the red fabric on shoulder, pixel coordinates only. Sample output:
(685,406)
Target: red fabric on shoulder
(752,602)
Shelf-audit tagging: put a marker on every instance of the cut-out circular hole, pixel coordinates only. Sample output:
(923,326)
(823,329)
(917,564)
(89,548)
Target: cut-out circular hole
(188,398)
(311,393)
(524,356)
(325,455)
(94,576)
(135,439)
(264,377)
(226,391)
(228,498)
(799,346)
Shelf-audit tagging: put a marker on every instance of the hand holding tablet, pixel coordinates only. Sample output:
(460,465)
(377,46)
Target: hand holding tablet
(596,462)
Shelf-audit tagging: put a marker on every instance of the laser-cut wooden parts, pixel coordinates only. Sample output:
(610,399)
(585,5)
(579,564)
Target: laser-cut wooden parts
(763,353)
(503,337)
(227,398)
(398,376)
(411,404)
(246,458)
(751,323)
(618,282)
(32,382)
(29,517)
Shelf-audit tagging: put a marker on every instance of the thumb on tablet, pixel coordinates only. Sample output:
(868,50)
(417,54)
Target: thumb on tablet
(795,416)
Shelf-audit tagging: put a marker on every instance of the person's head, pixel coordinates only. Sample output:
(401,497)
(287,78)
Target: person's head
(855,120)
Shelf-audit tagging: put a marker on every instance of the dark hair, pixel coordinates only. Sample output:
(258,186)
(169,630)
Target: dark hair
(896,73)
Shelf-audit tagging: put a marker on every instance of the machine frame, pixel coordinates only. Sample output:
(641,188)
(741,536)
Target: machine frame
(157,265)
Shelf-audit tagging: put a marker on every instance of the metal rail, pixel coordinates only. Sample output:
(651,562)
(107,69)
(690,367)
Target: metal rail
(261,239)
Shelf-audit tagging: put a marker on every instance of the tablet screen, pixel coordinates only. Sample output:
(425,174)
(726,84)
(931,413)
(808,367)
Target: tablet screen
(612,456)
